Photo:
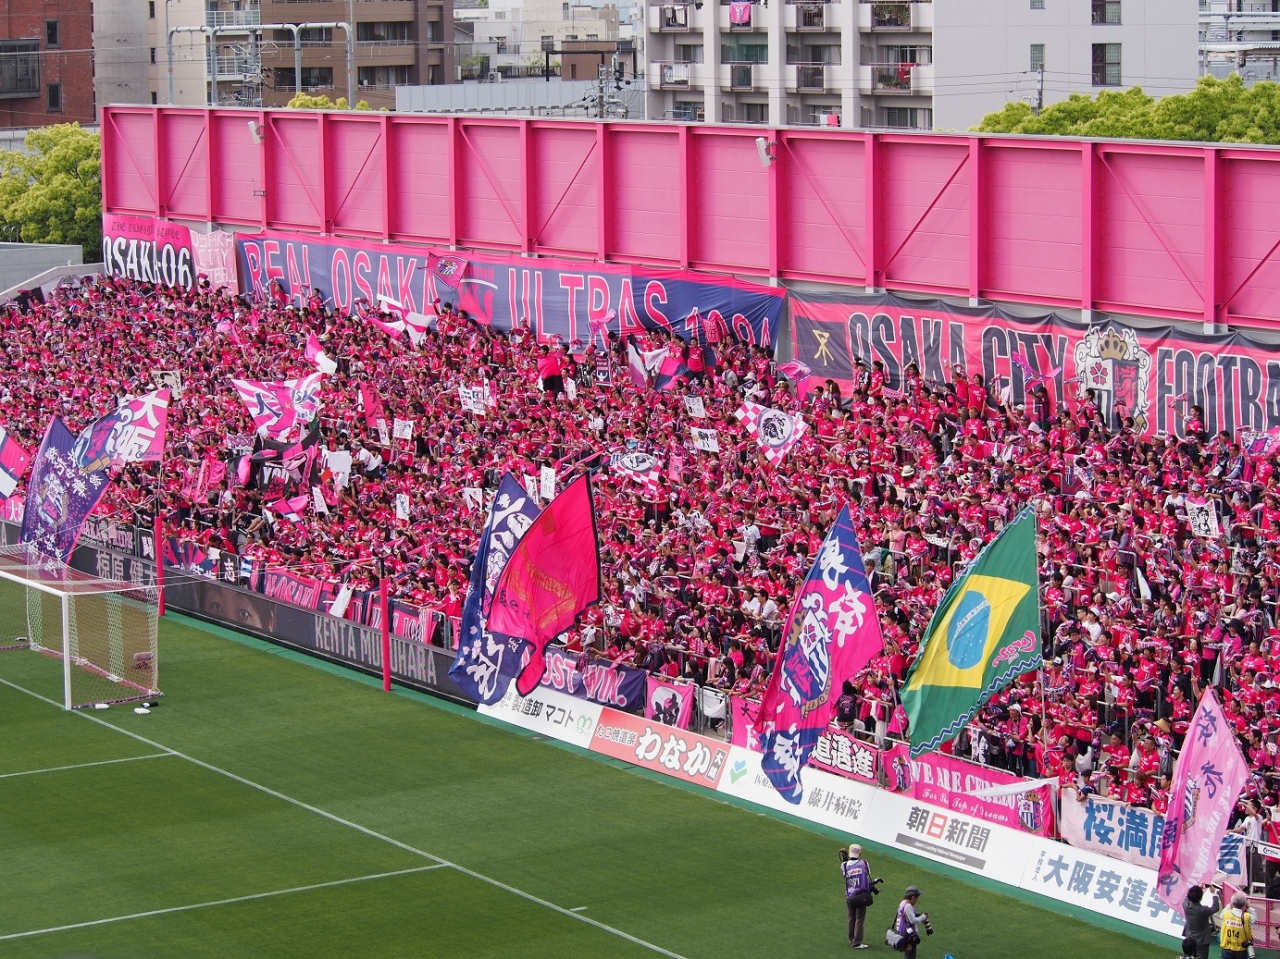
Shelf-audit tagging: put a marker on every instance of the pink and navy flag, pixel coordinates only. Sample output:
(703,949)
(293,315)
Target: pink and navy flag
(1208,778)
(832,632)
(553,575)
(488,661)
(374,415)
(774,430)
(14,461)
(278,407)
(60,495)
(134,433)
(448,269)
(671,374)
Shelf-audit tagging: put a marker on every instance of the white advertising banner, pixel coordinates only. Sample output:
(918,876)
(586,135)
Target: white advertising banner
(547,712)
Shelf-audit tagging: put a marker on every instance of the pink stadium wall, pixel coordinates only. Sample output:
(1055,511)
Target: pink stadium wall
(1165,230)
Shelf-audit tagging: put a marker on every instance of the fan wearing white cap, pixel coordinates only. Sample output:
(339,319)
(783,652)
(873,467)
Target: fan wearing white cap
(858,891)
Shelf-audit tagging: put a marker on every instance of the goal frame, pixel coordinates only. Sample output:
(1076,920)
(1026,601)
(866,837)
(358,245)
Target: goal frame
(76,583)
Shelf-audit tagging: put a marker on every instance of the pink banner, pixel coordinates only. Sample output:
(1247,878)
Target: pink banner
(215,258)
(744,712)
(289,588)
(276,408)
(674,752)
(942,780)
(838,752)
(1207,780)
(668,703)
(14,461)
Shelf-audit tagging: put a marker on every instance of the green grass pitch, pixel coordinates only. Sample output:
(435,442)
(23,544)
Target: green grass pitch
(272,807)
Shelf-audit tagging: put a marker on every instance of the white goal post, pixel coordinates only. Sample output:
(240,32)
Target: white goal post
(103,631)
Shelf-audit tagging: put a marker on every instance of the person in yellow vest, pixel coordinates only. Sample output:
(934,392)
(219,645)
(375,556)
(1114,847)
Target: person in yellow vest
(1237,929)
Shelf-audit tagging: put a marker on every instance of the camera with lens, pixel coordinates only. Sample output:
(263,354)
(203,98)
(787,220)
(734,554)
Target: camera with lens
(928,926)
(875,885)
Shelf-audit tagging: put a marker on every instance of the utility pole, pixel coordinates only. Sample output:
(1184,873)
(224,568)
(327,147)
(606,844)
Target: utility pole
(1039,90)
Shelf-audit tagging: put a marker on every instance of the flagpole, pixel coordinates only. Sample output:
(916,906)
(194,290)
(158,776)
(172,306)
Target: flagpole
(157,538)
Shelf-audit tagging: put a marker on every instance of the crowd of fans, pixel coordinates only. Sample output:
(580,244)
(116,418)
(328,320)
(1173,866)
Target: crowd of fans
(1140,614)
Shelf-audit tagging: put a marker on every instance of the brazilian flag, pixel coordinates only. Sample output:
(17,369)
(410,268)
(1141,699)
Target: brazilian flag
(985,634)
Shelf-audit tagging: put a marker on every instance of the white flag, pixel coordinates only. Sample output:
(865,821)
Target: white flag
(317,498)
(340,602)
(402,506)
(705,440)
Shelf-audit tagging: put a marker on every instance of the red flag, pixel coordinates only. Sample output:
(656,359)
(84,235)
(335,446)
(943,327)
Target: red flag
(552,576)
(448,269)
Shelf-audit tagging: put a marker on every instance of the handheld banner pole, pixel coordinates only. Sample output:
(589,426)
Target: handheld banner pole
(384,591)
(158,547)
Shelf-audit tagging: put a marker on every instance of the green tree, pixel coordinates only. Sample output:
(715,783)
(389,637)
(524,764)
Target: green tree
(306,101)
(1216,110)
(52,192)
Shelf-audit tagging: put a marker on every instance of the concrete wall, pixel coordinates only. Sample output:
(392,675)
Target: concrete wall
(982,50)
(20,262)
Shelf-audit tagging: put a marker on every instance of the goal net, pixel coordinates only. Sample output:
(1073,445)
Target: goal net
(103,631)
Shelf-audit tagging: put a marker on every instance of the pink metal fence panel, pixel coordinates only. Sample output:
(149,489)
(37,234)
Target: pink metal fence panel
(184,179)
(420,180)
(1032,211)
(567,206)
(924,197)
(296,155)
(357,178)
(823,207)
(1165,230)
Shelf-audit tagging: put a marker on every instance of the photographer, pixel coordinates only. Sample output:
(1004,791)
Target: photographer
(1236,939)
(1199,930)
(859,891)
(908,922)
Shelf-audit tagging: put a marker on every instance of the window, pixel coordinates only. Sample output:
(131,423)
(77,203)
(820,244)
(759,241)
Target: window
(316,36)
(19,68)
(53,97)
(564,11)
(688,110)
(153,54)
(1037,57)
(908,118)
(1037,4)
(913,54)
(317,76)
(813,53)
(151,14)
(1106,11)
(501,46)
(375,32)
(755,112)
(744,53)
(689,52)
(593,36)
(154,98)
(1106,64)
(52,36)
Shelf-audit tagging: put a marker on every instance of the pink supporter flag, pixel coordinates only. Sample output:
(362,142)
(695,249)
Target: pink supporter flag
(552,575)
(315,354)
(1207,780)
(774,430)
(372,403)
(14,461)
(291,509)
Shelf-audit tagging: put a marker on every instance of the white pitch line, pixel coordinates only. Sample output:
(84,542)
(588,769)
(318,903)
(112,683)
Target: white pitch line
(332,817)
(104,762)
(216,902)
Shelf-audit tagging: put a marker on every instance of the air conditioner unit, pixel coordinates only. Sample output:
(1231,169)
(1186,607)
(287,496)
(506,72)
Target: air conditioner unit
(494,76)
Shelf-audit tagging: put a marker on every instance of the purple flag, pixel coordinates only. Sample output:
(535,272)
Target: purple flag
(1207,780)
(831,634)
(60,494)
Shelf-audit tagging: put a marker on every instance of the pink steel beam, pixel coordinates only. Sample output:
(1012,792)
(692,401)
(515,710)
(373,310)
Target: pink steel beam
(493,181)
(591,151)
(964,161)
(822,198)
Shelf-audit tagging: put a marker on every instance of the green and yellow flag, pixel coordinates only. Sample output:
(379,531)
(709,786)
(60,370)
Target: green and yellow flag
(985,634)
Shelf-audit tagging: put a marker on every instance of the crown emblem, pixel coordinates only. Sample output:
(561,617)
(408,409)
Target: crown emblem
(1112,346)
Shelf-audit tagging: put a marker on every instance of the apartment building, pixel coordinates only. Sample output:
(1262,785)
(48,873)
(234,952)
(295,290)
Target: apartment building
(397,42)
(910,64)
(512,38)
(188,52)
(1240,36)
(46,62)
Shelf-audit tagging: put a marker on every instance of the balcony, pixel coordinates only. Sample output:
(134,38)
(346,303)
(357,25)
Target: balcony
(673,18)
(811,77)
(233,18)
(369,52)
(811,17)
(674,75)
(19,68)
(232,68)
(882,16)
(741,75)
(893,77)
